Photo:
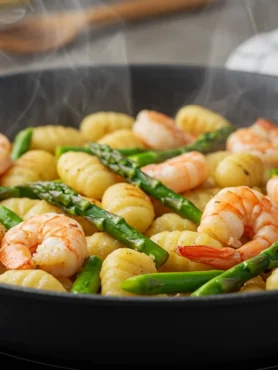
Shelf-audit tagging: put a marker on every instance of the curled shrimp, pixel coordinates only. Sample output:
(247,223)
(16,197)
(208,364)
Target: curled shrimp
(52,242)
(5,154)
(159,131)
(231,214)
(182,173)
(272,189)
(260,139)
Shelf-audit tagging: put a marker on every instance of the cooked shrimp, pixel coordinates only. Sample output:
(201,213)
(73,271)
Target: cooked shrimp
(272,189)
(182,173)
(52,242)
(5,154)
(233,213)
(159,131)
(260,139)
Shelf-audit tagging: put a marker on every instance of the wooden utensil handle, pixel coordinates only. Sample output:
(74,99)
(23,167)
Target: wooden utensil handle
(137,9)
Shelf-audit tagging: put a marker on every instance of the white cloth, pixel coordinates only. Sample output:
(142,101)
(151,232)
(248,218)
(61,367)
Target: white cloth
(257,54)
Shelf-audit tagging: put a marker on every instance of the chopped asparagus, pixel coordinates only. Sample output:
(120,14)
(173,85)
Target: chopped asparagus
(88,280)
(234,278)
(22,143)
(168,282)
(206,143)
(8,218)
(68,200)
(129,170)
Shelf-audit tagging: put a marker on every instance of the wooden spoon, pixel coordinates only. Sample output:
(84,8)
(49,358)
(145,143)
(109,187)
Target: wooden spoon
(46,32)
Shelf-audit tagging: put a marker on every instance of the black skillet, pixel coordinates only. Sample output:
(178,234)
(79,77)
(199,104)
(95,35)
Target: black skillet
(97,330)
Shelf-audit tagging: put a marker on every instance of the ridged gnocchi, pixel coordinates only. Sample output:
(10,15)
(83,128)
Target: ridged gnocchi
(121,139)
(34,165)
(257,284)
(170,222)
(272,280)
(40,208)
(200,197)
(49,137)
(101,245)
(85,174)
(131,203)
(239,169)
(20,206)
(170,240)
(36,279)
(99,124)
(196,119)
(120,265)
(213,160)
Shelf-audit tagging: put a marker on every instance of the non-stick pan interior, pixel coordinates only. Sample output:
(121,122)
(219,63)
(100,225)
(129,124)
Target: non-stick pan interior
(41,324)
(65,96)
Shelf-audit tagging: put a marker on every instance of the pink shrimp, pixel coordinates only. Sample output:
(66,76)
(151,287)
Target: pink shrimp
(261,139)
(231,214)
(272,189)
(159,131)
(53,242)
(5,154)
(182,173)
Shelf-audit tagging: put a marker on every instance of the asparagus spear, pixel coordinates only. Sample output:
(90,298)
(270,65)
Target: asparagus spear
(126,152)
(22,143)
(8,218)
(234,278)
(131,172)
(273,172)
(168,282)
(68,200)
(88,280)
(206,143)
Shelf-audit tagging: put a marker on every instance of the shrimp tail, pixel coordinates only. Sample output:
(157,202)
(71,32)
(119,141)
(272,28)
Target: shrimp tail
(224,258)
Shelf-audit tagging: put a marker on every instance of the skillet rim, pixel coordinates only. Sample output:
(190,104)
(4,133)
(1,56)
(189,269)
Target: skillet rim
(185,302)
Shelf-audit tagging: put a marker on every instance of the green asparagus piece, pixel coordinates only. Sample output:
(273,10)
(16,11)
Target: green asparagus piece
(126,152)
(68,200)
(234,278)
(22,143)
(131,172)
(206,143)
(64,149)
(88,280)
(8,218)
(168,282)
(273,172)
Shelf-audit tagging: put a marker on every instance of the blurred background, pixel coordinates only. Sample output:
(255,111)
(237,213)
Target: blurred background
(209,35)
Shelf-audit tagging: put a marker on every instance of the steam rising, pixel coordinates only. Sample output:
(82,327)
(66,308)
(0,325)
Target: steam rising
(99,47)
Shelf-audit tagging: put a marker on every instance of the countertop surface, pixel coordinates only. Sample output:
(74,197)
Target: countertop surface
(203,37)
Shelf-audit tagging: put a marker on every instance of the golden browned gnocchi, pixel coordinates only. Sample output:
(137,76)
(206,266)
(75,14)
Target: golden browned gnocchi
(20,206)
(36,279)
(85,174)
(213,160)
(201,197)
(196,119)
(171,240)
(256,284)
(170,222)
(272,280)
(50,136)
(102,244)
(122,139)
(63,239)
(99,124)
(131,203)
(35,165)
(239,169)
(122,264)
